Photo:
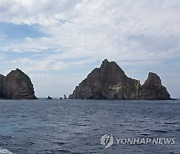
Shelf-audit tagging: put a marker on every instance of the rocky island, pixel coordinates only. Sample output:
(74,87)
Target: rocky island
(153,89)
(110,82)
(16,85)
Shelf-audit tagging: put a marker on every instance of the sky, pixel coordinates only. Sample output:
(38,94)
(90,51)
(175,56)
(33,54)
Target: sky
(57,43)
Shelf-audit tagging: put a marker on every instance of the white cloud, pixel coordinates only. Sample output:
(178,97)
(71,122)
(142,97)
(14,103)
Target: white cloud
(44,12)
(101,27)
(143,32)
(54,85)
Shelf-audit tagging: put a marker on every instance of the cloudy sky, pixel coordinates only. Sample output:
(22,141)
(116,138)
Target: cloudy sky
(57,43)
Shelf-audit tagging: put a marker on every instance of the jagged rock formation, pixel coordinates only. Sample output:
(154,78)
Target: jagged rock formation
(153,89)
(110,82)
(16,85)
(107,82)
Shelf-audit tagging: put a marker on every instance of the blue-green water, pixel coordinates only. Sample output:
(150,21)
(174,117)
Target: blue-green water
(76,126)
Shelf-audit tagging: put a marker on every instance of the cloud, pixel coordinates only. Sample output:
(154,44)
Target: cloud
(103,27)
(35,12)
(54,85)
(81,32)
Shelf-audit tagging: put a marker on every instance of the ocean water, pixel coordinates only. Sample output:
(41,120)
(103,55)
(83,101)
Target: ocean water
(76,126)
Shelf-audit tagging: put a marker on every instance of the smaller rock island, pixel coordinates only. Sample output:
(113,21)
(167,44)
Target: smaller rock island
(16,85)
(110,82)
(153,88)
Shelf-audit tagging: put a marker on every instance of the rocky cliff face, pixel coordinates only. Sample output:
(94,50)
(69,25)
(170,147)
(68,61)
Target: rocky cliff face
(107,82)
(16,85)
(110,82)
(153,89)
(2,88)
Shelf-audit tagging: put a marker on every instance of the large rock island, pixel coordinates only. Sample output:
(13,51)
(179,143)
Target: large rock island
(110,82)
(16,85)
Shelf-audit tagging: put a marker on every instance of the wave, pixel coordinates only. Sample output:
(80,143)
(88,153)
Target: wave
(159,131)
(5,151)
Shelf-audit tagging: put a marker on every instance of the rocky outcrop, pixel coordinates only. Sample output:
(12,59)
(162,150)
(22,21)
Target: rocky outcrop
(153,89)
(2,88)
(110,82)
(107,82)
(16,85)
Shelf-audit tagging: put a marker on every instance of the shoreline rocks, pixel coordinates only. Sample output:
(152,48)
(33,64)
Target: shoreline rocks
(16,85)
(110,82)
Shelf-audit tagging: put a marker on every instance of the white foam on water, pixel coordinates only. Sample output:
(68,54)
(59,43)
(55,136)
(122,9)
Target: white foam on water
(5,151)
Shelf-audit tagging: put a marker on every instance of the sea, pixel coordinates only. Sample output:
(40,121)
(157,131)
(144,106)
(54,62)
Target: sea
(89,126)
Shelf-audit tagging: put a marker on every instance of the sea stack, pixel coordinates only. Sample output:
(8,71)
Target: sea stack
(110,82)
(107,82)
(16,85)
(153,89)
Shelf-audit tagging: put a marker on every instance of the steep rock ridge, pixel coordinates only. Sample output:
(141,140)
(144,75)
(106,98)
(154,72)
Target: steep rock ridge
(107,82)
(110,82)
(16,85)
(153,89)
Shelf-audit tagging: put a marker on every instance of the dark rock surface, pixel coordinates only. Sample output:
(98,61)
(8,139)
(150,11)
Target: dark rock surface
(49,97)
(2,88)
(153,89)
(110,82)
(107,82)
(16,85)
